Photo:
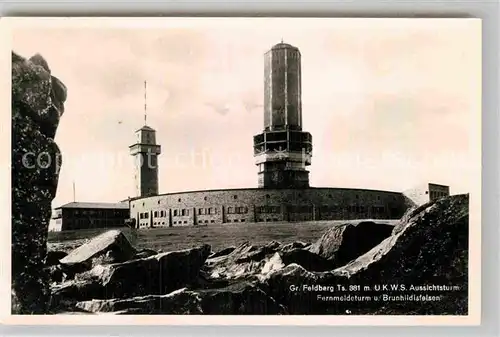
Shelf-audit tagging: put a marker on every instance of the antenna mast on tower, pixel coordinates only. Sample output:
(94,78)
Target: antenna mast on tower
(145,104)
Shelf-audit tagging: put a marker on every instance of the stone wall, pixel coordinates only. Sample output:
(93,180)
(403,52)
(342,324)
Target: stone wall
(37,104)
(265,205)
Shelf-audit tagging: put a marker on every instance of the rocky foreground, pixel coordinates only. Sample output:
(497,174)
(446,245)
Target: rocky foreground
(37,105)
(353,269)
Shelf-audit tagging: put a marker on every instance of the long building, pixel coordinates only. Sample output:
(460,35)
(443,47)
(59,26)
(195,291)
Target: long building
(87,215)
(282,152)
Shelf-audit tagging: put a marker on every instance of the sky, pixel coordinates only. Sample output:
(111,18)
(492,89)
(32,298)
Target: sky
(390,103)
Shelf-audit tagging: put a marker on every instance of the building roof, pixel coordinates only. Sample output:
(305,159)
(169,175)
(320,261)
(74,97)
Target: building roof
(100,205)
(262,189)
(282,45)
(146,128)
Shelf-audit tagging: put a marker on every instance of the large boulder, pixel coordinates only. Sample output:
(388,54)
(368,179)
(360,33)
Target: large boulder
(294,245)
(158,274)
(54,257)
(109,247)
(222,252)
(144,253)
(37,105)
(246,260)
(430,249)
(344,243)
(306,259)
(238,299)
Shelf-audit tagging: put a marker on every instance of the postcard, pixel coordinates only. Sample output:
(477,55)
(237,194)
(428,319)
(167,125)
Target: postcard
(263,171)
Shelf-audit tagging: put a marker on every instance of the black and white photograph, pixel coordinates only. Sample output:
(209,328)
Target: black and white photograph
(245,168)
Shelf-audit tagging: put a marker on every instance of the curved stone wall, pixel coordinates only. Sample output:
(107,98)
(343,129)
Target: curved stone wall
(265,205)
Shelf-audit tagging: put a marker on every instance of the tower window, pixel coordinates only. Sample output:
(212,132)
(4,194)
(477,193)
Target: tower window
(179,200)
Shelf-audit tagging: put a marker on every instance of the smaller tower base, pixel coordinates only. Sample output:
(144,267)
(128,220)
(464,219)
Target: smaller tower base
(279,178)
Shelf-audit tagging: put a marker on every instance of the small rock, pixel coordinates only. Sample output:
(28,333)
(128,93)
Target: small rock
(342,244)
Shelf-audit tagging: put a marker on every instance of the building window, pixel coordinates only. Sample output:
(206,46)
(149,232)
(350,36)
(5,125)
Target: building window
(205,198)
(183,212)
(206,221)
(242,220)
(156,214)
(142,204)
(212,221)
(133,206)
(158,202)
(271,209)
(357,196)
(200,211)
(267,196)
(179,200)
(146,215)
(378,197)
(235,197)
(426,192)
(175,212)
(229,210)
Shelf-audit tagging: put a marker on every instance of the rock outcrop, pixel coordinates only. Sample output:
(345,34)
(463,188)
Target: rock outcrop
(157,274)
(430,248)
(238,299)
(399,275)
(37,105)
(244,261)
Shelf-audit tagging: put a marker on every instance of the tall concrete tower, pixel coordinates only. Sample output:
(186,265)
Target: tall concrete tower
(282,151)
(146,153)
